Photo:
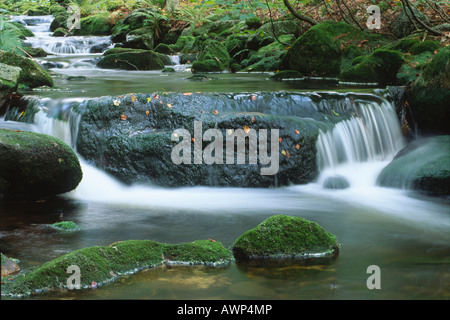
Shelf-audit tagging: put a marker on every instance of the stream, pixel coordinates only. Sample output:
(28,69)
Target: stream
(405,233)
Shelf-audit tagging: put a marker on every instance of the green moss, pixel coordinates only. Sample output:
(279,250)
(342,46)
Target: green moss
(424,46)
(95,25)
(32,75)
(102,264)
(198,252)
(65,225)
(318,52)
(35,165)
(379,67)
(215,50)
(208,65)
(285,236)
(134,59)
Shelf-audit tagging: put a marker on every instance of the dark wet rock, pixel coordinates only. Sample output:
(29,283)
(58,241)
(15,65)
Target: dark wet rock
(131,137)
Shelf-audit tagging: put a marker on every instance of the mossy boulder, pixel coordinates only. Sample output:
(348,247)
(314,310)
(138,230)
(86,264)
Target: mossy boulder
(60,32)
(9,80)
(214,57)
(34,166)
(18,29)
(102,264)
(131,59)
(283,236)
(429,95)
(424,165)
(32,75)
(142,38)
(60,21)
(380,67)
(94,25)
(319,51)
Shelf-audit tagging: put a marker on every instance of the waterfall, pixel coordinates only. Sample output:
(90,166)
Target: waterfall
(358,148)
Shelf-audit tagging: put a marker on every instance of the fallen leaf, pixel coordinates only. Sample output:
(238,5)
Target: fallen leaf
(216,112)
(253,119)
(156,96)
(169,105)
(147,112)
(283,152)
(133,98)
(254,97)
(288,154)
(187,93)
(246,129)
(211,240)
(116,103)
(149,99)
(297,147)
(297,132)
(280,140)
(123,117)
(193,139)
(230,132)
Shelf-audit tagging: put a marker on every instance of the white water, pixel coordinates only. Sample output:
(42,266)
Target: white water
(40,26)
(356,149)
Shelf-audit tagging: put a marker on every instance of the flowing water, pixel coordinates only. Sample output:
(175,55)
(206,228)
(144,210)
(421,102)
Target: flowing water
(404,233)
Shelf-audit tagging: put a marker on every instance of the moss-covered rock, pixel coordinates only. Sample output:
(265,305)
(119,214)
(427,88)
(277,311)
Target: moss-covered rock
(429,95)
(32,75)
(95,25)
(60,32)
(319,51)
(131,59)
(65,226)
(102,264)
(285,236)
(379,67)
(424,165)
(34,166)
(213,57)
(142,38)
(163,48)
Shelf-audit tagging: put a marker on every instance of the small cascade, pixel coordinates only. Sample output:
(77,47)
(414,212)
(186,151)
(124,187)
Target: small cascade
(358,148)
(40,26)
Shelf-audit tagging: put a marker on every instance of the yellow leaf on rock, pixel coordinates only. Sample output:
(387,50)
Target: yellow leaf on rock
(246,129)
(187,93)
(147,112)
(283,152)
(133,98)
(216,112)
(169,105)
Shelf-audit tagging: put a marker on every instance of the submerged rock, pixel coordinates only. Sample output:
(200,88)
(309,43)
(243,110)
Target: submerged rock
(282,236)
(34,166)
(424,165)
(99,265)
(336,182)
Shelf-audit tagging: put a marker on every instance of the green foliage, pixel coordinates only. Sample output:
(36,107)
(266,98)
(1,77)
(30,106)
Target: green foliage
(10,37)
